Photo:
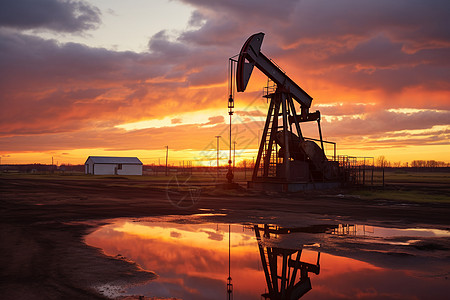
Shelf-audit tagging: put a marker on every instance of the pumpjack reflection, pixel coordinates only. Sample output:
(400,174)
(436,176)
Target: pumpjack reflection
(293,282)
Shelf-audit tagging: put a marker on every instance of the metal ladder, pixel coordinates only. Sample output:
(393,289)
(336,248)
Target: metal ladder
(272,167)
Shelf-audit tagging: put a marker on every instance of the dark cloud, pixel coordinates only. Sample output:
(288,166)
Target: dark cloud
(203,65)
(161,46)
(344,109)
(393,82)
(324,21)
(39,62)
(215,120)
(380,63)
(212,235)
(227,22)
(380,122)
(176,121)
(414,21)
(207,75)
(57,15)
(378,51)
(175,234)
(197,19)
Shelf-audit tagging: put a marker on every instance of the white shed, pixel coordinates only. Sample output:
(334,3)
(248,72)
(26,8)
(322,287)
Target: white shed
(110,165)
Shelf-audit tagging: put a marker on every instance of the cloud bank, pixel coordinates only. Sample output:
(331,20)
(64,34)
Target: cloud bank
(58,15)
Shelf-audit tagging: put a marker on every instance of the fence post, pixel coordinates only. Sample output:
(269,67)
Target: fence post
(371,180)
(364,173)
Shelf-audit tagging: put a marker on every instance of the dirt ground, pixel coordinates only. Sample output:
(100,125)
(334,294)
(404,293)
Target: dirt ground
(44,220)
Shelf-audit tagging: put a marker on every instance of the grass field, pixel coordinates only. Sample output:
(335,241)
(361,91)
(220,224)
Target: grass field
(419,187)
(412,177)
(400,185)
(411,195)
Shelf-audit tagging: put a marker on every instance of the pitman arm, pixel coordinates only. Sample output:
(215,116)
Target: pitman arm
(251,51)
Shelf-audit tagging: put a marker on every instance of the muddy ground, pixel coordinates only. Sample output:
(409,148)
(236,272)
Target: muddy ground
(44,220)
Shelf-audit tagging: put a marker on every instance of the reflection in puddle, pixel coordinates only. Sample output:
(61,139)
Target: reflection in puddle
(282,266)
(192,260)
(364,230)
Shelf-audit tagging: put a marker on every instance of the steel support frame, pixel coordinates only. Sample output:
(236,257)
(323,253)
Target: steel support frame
(293,281)
(283,100)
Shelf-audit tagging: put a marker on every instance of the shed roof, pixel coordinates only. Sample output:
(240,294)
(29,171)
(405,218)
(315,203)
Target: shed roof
(114,160)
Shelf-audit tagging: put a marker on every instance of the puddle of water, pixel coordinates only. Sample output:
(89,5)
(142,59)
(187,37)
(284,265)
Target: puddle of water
(192,260)
(383,232)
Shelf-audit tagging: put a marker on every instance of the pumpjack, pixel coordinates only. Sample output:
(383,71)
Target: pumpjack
(290,280)
(285,156)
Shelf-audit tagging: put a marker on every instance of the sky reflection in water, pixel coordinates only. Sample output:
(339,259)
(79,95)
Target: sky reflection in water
(192,262)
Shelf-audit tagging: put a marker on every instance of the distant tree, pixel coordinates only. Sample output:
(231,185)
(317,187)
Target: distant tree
(381,161)
(397,164)
(245,163)
(428,164)
(433,164)
(418,163)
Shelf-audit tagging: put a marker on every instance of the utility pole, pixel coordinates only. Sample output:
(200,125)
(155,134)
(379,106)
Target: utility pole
(217,137)
(230,174)
(167,156)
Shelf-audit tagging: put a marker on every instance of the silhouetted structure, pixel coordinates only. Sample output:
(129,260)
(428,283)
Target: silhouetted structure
(293,282)
(286,160)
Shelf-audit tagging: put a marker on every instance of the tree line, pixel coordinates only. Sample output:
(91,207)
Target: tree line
(382,162)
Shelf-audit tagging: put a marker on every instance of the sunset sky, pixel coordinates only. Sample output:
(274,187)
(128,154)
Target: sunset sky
(127,78)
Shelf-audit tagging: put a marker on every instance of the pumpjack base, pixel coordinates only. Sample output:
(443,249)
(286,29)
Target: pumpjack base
(282,186)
